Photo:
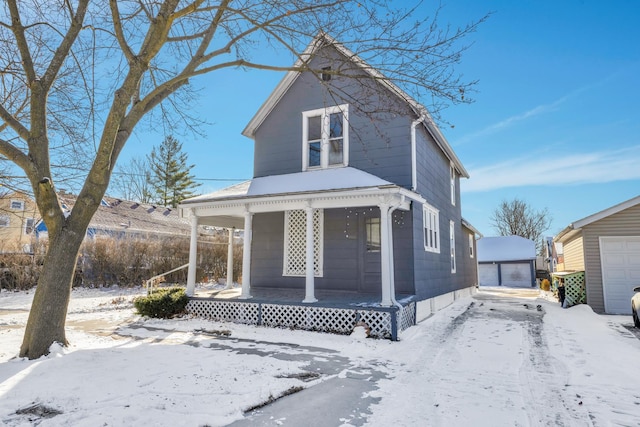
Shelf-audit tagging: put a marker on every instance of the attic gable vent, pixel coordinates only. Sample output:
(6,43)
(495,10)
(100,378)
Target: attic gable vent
(325,75)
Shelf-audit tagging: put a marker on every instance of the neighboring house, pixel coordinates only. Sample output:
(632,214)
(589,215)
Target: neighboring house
(606,246)
(343,203)
(18,214)
(506,261)
(120,218)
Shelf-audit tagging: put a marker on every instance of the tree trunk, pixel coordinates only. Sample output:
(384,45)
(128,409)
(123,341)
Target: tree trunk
(49,309)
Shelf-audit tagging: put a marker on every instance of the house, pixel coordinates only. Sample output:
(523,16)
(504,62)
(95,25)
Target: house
(606,247)
(506,261)
(122,218)
(354,202)
(18,214)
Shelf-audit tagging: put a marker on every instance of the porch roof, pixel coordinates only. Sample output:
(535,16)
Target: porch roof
(325,188)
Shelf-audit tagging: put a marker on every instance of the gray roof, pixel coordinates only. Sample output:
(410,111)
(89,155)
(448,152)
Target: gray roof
(132,217)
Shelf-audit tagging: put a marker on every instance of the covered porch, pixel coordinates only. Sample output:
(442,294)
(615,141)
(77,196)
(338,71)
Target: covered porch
(289,296)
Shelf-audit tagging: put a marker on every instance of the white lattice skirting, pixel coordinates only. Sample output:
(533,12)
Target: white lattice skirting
(382,322)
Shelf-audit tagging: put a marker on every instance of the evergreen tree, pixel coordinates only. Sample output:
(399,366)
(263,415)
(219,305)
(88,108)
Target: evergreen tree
(170,178)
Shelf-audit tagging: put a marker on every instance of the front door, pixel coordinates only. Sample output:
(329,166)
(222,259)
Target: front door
(369,246)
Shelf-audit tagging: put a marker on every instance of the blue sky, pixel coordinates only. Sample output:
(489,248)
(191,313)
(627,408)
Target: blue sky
(556,120)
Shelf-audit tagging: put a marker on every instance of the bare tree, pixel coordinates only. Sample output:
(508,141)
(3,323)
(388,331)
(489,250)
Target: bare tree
(517,218)
(78,76)
(131,180)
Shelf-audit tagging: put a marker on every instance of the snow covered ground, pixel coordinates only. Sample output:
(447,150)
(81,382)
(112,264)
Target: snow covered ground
(494,359)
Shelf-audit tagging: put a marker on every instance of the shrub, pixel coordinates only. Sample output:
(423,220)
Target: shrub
(162,303)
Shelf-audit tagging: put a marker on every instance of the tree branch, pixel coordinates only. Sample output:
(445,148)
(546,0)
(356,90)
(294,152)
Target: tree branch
(119,34)
(23,46)
(67,43)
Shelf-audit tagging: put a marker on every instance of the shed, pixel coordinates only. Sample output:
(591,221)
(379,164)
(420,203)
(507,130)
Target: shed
(506,261)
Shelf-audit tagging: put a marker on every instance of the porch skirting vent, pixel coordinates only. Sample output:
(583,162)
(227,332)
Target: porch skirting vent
(383,322)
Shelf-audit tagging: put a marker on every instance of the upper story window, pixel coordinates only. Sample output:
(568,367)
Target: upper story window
(452,176)
(452,245)
(431,220)
(17,205)
(325,137)
(4,221)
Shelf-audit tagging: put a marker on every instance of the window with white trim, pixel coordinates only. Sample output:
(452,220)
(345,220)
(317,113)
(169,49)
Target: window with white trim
(452,179)
(17,205)
(471,240)
(452,245)
(431,221)
(295,243)
(4,221)
(325,137)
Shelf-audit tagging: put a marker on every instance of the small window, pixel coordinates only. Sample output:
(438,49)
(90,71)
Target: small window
(4,221)
(325,137)
(372,225)
(431,220)
(17,205)
(471,241)
(452,176)
(452,244)
(326,75)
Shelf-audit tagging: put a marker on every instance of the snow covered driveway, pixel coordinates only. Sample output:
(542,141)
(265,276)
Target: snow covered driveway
(500,360)
(495,359)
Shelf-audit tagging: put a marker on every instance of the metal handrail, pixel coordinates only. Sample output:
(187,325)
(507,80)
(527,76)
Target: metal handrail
(149,282)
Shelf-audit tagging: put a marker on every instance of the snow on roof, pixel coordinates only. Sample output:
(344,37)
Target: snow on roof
(345,178)
(505,248)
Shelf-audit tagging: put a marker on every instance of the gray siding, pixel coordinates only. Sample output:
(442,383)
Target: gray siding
(625,223)
(433,270)
(379,142)
(468,266)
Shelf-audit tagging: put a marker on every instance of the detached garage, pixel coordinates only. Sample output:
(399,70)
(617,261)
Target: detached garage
(606,246)
(506,261)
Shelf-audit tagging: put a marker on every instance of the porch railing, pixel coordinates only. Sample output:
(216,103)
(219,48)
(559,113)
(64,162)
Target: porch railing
(150,283)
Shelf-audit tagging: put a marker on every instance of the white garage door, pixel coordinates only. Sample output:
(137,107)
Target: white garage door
(488,274)
(516,275)
(620,260)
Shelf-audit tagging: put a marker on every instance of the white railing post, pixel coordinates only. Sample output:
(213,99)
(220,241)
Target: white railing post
(246,257)
(385,268)
(193,255)
(230,260)
(309,294)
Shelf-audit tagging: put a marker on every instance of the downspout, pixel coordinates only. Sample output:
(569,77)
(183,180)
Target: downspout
(414,161)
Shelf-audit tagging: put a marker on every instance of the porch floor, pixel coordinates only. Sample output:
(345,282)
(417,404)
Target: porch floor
(336,299)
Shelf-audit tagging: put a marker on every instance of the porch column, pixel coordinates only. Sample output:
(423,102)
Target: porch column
(193,255)
(385,268)
(309,294)
(246,257)
(230,260)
